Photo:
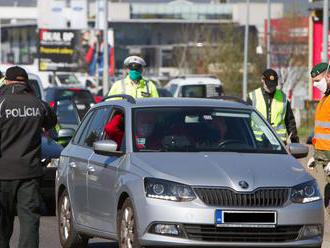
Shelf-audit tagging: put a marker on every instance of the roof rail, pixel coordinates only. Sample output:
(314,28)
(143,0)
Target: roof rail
(129,98)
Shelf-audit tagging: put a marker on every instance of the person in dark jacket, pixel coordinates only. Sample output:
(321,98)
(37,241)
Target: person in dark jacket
(22,118)
(273,104)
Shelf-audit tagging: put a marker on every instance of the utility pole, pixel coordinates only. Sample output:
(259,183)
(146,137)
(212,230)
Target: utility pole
(246,48)
(269,62)
(325,30)
(105,50)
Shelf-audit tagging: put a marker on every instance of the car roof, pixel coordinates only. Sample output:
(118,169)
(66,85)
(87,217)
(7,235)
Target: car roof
(177,102)
(194,80)
(67,88)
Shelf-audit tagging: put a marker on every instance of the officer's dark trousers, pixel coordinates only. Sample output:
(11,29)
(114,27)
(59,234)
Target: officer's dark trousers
(22,196)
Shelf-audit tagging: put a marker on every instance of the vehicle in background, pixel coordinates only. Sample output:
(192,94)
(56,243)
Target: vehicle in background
(83,98)
(197,86)
(63,79)
(162,92)
(36,85)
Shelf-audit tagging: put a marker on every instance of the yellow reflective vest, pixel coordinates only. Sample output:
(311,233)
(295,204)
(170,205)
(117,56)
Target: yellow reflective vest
(278,110)
(143,89)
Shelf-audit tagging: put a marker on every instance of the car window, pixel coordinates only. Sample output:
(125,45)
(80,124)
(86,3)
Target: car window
(187,129)
(68,79)
(198,91)
(115,129)
(77,95)
(67,113)
(82,127)
(173,88)
(35,87)
(95,129)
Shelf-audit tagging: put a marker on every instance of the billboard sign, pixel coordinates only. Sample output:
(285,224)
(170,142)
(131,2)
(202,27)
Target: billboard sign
(75,51)
(57,50)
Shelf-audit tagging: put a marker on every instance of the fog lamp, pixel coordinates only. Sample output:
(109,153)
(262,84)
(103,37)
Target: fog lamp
(166,229)
(310,231)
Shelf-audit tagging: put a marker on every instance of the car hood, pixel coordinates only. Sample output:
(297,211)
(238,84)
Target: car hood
(223,169)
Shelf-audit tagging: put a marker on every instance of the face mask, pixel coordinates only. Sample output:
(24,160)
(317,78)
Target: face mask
(135,75)
(269,89)
(322,85)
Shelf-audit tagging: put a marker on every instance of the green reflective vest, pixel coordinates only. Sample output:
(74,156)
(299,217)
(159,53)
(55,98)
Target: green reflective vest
(278,110)
(144,89)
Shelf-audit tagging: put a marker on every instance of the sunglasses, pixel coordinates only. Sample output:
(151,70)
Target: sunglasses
(135,66)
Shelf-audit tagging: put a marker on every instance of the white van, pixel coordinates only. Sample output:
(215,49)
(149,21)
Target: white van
(198,86)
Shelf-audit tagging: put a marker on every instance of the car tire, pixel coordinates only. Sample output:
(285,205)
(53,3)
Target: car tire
(126,226)
(69,237)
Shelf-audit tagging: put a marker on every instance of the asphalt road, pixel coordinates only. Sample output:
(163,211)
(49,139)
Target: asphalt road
(49,233)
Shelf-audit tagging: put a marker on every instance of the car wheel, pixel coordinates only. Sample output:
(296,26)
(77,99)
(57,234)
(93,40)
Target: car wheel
(69,237)
(126,224)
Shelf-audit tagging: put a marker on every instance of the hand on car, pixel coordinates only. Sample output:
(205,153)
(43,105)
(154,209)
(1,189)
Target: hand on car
(311,163)
(327,169)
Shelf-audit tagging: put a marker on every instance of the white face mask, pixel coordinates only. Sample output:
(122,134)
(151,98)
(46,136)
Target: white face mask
(322,85)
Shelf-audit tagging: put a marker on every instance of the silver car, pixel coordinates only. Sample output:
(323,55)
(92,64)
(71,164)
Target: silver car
(184,172)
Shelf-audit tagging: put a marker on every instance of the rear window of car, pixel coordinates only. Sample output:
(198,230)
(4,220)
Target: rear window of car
(35,86)
(77,95)
(198,91)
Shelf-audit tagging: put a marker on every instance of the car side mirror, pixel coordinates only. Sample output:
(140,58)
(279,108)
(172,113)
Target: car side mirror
(106,147)
(298,150)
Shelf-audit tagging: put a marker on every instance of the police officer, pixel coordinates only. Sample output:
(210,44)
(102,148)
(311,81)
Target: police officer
(22,117)
(134,84)
(273,104)
(321,79)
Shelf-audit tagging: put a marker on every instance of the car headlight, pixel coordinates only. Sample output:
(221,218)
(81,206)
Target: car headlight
(306,192)
(167,190)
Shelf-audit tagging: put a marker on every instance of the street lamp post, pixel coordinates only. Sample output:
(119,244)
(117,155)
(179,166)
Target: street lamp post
(268,35)
(325,30)
(105,50)
(246,48)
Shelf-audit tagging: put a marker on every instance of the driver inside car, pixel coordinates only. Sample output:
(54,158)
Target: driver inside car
(115,129)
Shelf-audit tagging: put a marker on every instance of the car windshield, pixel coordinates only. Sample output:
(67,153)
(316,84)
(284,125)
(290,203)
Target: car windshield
(186,129)
(68,79)
(78,95)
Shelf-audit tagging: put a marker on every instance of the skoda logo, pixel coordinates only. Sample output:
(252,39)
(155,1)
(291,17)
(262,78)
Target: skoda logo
(243,184)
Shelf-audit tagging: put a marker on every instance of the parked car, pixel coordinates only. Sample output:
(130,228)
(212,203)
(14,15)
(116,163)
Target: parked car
(198,86)
(189,172)
(83,98)
(164,92)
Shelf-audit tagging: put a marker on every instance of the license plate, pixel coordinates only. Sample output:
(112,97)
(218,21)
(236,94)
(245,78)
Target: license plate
(245,218)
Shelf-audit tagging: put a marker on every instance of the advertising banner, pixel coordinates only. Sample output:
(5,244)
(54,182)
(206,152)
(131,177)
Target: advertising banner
(74,51)
(58,50)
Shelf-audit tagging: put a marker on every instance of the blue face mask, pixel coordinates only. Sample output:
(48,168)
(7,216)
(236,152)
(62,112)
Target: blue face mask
(135,75)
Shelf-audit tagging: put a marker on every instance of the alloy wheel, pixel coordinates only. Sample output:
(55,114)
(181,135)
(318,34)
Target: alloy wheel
(127,228)
(65,218)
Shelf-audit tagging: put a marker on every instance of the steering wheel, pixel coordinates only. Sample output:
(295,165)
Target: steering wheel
(227,142)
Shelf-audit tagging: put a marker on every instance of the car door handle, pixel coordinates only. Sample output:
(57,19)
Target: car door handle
(90,169)
(73,165)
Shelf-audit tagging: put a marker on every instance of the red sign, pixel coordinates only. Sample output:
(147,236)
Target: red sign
(317,52)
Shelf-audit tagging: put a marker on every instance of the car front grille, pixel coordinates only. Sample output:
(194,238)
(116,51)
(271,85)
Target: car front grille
(264,197)
(211,233)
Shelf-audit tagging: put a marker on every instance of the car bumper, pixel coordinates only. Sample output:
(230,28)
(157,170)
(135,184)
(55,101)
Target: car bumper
(196,213)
